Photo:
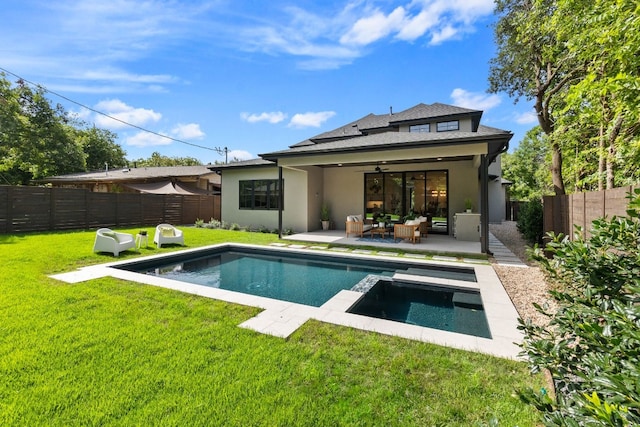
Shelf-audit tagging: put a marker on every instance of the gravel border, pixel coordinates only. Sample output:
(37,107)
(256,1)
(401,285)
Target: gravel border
(525,286)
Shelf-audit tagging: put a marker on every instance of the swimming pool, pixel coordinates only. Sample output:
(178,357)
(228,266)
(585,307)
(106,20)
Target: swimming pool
(308,280)
(315,279)
(440,308)
(281,318)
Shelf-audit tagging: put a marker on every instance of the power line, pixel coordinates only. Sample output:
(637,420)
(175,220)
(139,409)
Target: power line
(218,150)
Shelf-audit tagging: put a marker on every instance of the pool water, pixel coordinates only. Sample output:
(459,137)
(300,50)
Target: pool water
(438,308)
(313,279)
(287,278)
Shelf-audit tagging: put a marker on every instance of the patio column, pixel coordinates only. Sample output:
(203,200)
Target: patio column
(484,205)
(281,201)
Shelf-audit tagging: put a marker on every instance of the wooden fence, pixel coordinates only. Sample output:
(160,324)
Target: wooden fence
(561,213)
(24,209)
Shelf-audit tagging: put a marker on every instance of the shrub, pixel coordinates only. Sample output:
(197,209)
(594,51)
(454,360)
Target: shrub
(199,223)
(213,223)
(530,222)
(591,346)
(234,227)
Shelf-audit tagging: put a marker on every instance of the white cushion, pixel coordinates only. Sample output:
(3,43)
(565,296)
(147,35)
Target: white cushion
(358,218)
(366,227)
(412,222)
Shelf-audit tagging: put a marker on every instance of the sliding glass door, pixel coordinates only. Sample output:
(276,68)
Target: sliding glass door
(395,195)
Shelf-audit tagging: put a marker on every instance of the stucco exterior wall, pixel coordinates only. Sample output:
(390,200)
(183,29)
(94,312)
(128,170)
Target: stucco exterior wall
(497,193)
(314,198)
(344,191)
(295,212)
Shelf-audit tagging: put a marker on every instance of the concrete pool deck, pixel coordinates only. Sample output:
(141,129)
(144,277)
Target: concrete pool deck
(281,318)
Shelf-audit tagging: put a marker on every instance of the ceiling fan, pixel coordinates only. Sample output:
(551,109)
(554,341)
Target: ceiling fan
(377,169)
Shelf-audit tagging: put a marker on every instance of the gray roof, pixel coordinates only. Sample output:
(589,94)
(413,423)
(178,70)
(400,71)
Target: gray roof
(435,110)
(134,174)
(386,140)
(380,122)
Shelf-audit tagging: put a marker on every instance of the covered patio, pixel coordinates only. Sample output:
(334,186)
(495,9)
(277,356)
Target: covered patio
(434,243)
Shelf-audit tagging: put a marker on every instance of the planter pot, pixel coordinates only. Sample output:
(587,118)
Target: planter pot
(468,210)
(325,225)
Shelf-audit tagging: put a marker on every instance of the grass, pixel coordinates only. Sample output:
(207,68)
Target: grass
(111,352)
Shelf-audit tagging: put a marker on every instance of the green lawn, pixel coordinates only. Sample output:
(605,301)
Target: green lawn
(110,352)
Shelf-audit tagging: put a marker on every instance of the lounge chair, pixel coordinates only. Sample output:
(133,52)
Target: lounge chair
(409,230)
(167,233)
(108,240)
(424,226)
(355,225)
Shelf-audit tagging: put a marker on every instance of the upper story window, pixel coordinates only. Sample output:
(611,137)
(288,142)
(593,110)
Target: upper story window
(420,128)
(447,126)
(262,194)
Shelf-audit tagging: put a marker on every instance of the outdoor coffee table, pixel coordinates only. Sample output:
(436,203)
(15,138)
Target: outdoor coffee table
(381,231)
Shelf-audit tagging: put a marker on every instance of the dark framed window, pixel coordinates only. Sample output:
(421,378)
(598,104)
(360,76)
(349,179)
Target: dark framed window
(420,128)
(448,126)
(259,194)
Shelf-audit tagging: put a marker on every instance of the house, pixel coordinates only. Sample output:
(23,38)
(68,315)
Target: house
(425,160)
(155,180)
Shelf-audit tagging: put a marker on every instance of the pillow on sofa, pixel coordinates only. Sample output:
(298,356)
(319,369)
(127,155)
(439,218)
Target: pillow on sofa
(167,232)
(111,234)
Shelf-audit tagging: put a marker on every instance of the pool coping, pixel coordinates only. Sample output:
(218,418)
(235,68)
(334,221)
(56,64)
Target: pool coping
(281,318)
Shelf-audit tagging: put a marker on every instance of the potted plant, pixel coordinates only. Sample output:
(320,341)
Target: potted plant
(325,214)
(468,204)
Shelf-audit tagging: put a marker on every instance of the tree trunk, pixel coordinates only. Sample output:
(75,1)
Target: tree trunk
(611,152)
(556,169)
(546,124)
(601,159)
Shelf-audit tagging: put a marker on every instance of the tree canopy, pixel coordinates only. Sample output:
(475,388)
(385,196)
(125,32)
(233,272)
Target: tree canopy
(579,62)
(38,139)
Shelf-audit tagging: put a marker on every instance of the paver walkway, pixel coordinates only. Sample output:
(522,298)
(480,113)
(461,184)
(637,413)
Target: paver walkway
(502,255)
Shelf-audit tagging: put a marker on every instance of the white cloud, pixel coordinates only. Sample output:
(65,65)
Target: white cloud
(124,113)
(444,34)
(527,118)
(310,119)
(188,131)
(374,27)
(474,100)
(272,117)
(146,139)
(329,37)
(240,155)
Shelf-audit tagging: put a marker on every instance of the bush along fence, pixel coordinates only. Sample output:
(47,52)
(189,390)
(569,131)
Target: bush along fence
(24,209)
(561,213)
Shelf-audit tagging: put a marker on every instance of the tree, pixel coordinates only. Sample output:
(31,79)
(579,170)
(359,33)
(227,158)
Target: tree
(526,167)
(532,62)
(38,140)
(603,34)
(100,147)
(157,159)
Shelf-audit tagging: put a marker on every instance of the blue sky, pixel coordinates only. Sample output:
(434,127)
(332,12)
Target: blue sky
(253,76)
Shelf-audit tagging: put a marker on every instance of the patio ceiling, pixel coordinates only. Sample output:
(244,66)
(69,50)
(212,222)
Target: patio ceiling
(389,155)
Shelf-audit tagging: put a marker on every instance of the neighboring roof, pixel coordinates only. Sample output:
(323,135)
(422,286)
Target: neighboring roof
(245,163)
(135,174)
